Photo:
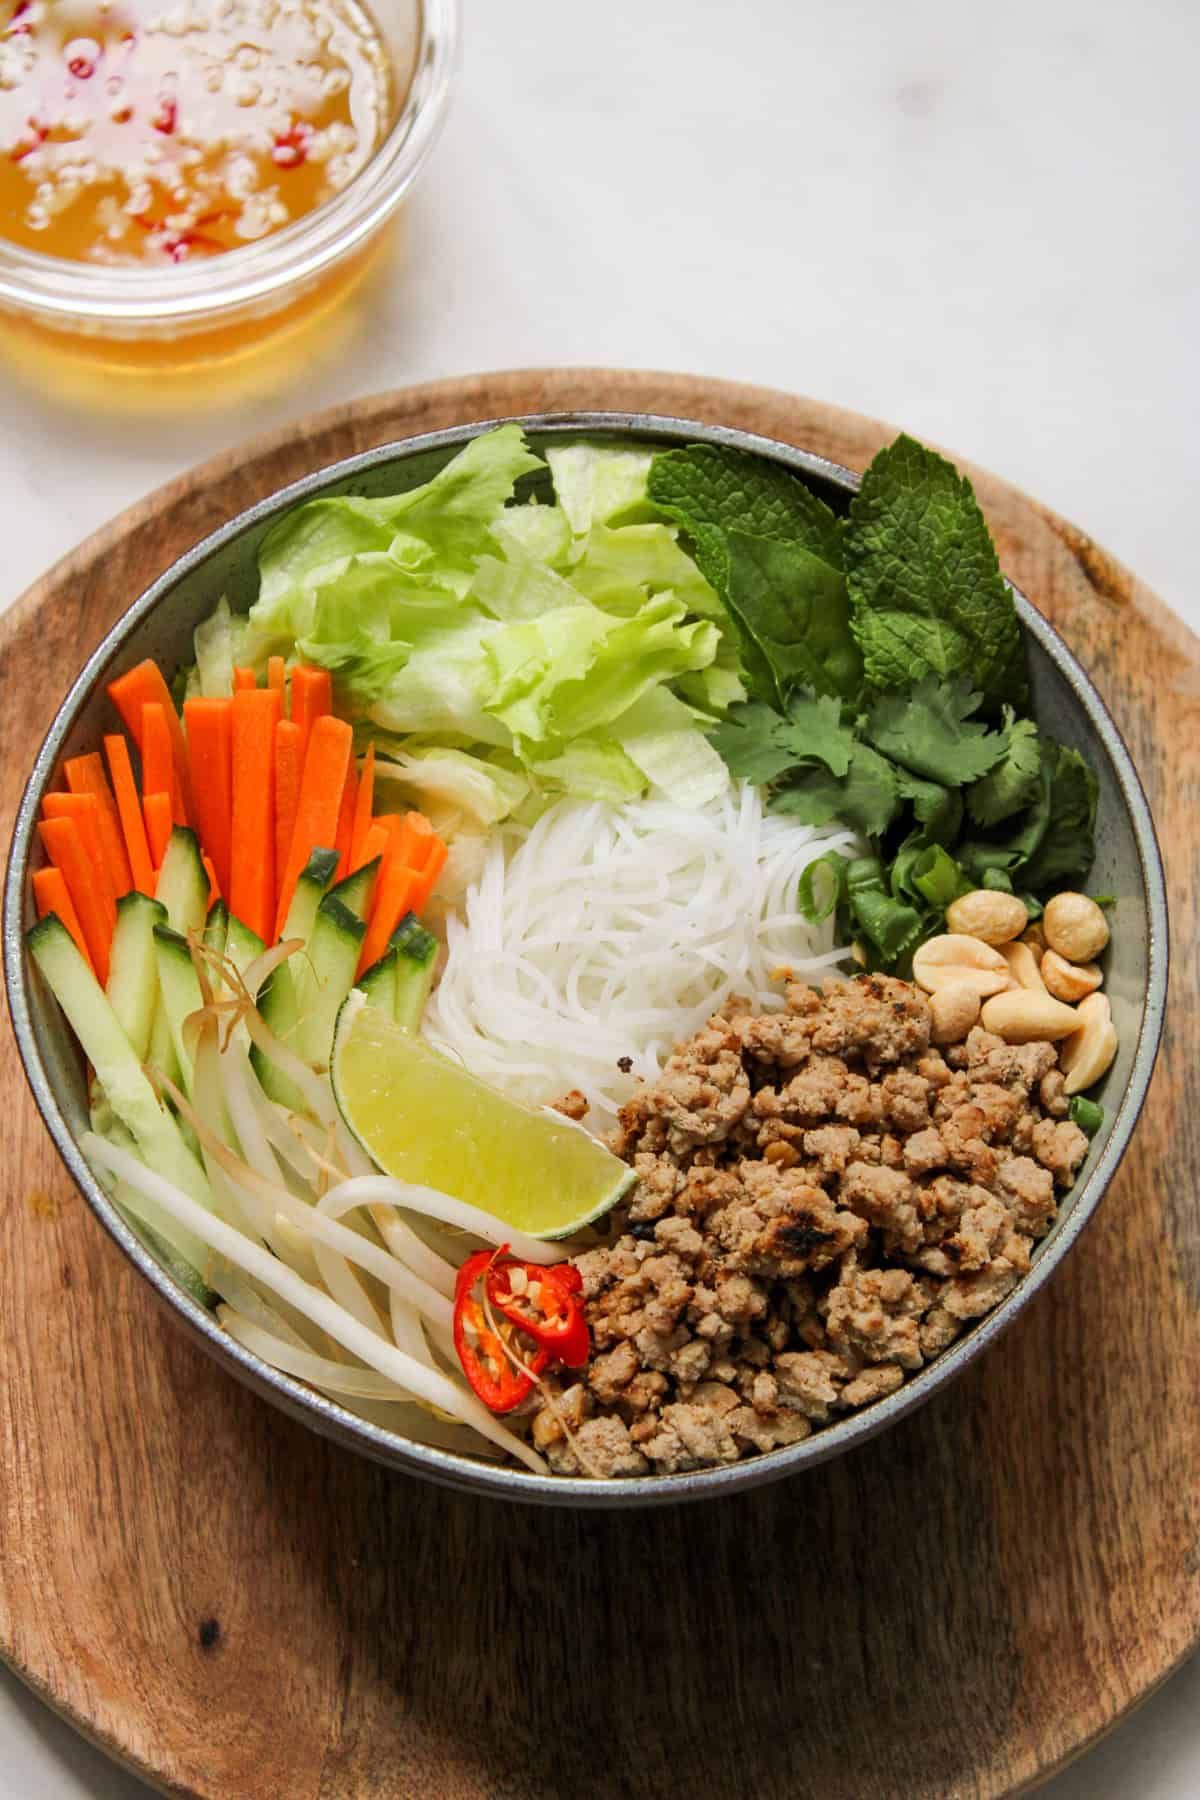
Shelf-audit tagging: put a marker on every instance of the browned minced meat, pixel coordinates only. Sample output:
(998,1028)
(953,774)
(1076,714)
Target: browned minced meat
(823,1202)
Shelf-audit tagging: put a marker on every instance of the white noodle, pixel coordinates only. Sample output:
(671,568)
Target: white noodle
(609,932)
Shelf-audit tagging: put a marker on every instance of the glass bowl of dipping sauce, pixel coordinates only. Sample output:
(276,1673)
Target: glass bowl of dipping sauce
(181,180)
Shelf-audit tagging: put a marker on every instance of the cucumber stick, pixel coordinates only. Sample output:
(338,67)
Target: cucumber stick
(416,953)
(157,1231)
(292,983)
(379,982)
(216,928)
(133,969)
(333,958)
(179,986)
(183,882)
(358,890)
(118,1070)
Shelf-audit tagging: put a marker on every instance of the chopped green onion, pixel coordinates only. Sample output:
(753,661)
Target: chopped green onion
(1087,1115)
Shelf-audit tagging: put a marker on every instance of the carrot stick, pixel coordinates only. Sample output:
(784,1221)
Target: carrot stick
(210,748)
(374,844)
(423,881)
(325,763)
(145,685)
(252,876)
(85,775)
(275,673)
(64,845)
(133,825)
(413,841)
(345,826)
(85,811)
(392,889)
(158,774)
(287,794)
(362,809)
(312,699)
(243,680)
(214,892)
(156,809)
(51,896)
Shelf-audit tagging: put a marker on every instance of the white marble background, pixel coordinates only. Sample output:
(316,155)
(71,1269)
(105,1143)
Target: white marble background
(977,221)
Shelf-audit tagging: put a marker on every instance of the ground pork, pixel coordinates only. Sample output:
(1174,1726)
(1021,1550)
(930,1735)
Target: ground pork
(823,1203)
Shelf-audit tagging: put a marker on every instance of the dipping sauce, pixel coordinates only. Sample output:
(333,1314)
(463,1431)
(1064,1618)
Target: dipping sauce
(134,133)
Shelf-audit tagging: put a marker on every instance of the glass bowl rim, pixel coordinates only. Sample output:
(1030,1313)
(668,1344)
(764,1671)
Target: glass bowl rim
(58,291)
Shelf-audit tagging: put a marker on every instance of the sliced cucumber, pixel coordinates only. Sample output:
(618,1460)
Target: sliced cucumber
(179,986)
(118,1070)
(357,891)
(216,928)
(378,983)
(133,970)
(333,958)
(416,954)
(183,882)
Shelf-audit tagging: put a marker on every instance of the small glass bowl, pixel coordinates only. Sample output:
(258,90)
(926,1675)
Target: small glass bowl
(158,319)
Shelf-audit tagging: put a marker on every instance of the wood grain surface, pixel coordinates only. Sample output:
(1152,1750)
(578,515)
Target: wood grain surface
(236,1608)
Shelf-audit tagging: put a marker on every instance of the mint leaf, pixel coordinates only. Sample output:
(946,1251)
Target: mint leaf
(866,797)
(706,484)
(795,609)
(759,746)
(927,597)
(1013,782)
(930,731)
(1067,847)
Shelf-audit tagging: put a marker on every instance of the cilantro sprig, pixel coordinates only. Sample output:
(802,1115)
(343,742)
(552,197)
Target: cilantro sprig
(886,668)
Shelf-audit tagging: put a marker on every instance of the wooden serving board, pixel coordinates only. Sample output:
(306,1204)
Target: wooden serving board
(234,1608)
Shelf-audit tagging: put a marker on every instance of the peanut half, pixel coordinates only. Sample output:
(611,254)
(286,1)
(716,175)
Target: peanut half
(1075,927)
(994,917)
(1025,1017)
(1023,967)
(1067,980)
(955,1009)
(954,959)
(1088,1053)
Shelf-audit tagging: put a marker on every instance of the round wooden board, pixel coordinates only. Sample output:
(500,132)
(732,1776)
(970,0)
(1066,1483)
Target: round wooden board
(234,1607)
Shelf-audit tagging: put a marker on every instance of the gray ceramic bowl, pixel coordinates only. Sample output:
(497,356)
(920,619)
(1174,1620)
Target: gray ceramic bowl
(160,624)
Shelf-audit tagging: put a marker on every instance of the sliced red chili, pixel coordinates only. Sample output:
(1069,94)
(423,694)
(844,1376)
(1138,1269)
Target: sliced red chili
(545,1303)
(489,1357)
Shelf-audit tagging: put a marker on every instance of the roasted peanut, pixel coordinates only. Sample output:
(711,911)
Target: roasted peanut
(994,917)
(1036,941)
(1025,1017)
(1067,980)
(955,1009)
(1075,927)
(1023,966)
(1088,1053)
(954,958)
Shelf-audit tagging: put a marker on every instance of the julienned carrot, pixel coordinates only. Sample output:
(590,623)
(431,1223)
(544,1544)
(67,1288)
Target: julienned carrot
(209,724)
(413,841)
(63,842)
(423,881)
(85,775)
(243,681)
(156,809)
(85,811)
(51,896)
(287,794)
(392,890)
(275,672)
(129,811)
(374,844)
(158,771)
(252,876)
(363,804)
(344,840)
(312,699)
(129,693)
(326,760)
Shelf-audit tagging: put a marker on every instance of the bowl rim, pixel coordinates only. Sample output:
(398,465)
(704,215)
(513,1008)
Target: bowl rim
(259,276)
(449,1468)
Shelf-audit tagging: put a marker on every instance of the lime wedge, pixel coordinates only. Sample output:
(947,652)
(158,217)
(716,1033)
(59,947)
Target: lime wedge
(425,1119)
